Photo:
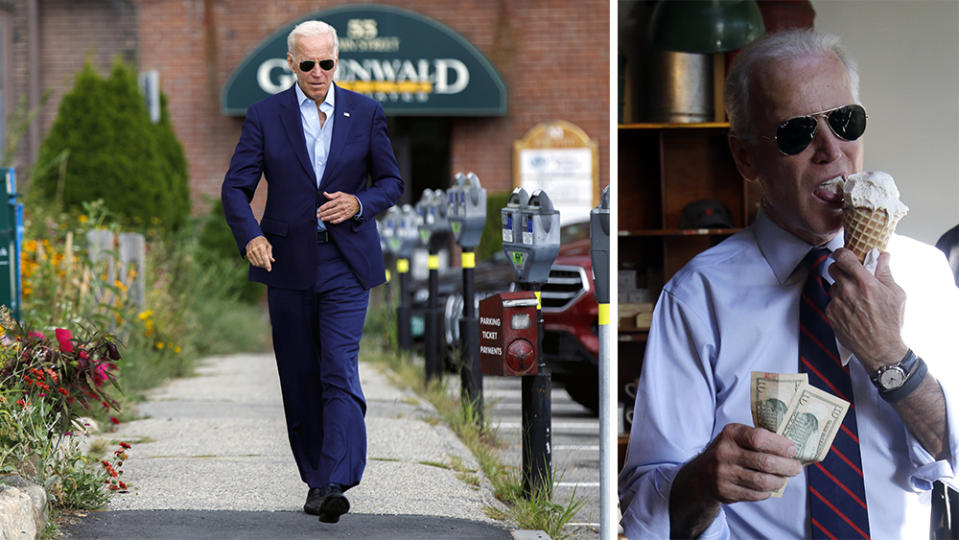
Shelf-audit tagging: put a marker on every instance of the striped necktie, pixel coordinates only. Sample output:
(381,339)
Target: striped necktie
(835,493)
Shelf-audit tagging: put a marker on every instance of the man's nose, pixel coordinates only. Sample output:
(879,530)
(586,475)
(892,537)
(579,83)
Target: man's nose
(826,145)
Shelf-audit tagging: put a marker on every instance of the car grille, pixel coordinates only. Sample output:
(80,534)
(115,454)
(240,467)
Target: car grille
(565,285)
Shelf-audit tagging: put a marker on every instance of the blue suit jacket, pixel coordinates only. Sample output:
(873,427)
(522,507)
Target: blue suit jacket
(272,144)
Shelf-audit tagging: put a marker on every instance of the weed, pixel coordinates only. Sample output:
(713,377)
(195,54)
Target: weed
(405,370)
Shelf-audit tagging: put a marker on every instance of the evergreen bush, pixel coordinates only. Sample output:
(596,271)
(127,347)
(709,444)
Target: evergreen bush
(491,241)
(103,146)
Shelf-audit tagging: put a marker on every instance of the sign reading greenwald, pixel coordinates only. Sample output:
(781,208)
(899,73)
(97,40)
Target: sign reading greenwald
(411,64)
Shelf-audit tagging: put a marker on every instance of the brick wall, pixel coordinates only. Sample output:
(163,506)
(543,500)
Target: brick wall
(554,57)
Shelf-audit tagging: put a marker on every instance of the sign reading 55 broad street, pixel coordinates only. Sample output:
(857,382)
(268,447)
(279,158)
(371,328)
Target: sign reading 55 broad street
(411,64)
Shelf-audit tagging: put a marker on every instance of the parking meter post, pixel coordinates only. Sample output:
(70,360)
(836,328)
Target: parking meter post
(403,336)
(599,252)
(432,331)
(471,376)
(466,212)
(537,417)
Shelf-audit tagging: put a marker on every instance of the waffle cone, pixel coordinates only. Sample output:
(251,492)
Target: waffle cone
(866,229)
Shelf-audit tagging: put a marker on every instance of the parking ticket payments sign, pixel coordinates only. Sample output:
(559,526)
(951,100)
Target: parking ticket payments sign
(412,64)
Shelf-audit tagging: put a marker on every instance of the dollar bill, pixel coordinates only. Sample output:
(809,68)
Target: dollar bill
(786,404)
(770,395)
(812,421)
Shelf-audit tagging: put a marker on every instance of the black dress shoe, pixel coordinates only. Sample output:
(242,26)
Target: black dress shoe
(334,505)
(314,501)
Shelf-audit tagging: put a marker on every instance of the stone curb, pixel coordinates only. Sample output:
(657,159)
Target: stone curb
(23,509)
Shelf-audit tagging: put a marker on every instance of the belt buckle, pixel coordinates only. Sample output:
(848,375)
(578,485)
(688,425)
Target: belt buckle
(322,236)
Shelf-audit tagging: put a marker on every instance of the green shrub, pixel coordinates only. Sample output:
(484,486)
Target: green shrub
(218,247)
(103,146)
(492,240)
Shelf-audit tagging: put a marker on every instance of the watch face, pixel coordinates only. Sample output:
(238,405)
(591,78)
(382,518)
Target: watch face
(892,378)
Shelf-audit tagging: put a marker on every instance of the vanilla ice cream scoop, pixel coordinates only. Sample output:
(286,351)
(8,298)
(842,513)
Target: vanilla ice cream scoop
(871,211)
(873,190)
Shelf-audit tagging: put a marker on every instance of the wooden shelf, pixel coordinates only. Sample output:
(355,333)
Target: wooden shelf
(690,125)
(633,334)
(679,232)
(662,169)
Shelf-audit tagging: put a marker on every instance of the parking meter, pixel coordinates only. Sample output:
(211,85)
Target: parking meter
(508,333)
(531,238)
(466,213)
(599,249)
(534,242)
(599,252)
(422,210)
(466,210)
(400,231)
(434,230)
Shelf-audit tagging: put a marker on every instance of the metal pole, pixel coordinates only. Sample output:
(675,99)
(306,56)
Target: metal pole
(608,497)
(470,375)
(537,418)
(403,336)
(432,335)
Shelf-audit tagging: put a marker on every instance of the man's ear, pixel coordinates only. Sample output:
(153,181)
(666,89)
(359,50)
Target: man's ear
(742,155)
(289,61)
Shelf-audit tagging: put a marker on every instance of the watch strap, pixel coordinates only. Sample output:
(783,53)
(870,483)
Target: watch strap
(913,380)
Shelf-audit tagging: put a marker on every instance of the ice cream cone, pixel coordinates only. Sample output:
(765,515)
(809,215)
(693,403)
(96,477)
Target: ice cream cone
(871,211)
(866,229)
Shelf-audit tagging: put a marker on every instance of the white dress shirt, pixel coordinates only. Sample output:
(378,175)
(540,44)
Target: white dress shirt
(734,309)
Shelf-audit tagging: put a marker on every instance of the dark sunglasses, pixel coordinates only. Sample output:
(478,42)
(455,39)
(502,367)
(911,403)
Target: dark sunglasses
(307,65)
(794,135)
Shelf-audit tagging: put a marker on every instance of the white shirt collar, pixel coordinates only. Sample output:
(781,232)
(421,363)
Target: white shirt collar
(783,250)
(328,103)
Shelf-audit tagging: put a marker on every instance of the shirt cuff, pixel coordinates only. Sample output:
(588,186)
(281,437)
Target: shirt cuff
(359,215)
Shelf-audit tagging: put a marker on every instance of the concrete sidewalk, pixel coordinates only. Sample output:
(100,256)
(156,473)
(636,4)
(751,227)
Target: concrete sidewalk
(214,448)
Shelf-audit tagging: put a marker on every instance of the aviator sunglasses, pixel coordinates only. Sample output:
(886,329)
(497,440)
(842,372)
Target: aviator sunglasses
(307,65)
(794,135)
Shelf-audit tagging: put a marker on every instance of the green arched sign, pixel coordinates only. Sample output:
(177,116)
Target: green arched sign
(413,65)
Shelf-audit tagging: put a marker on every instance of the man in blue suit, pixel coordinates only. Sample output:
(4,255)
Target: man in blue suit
(330,169)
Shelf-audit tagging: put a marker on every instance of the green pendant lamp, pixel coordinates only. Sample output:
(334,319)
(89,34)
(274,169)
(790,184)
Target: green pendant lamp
(705,26)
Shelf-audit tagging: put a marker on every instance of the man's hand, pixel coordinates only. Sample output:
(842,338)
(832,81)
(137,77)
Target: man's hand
(259,252)
(339,208)
(742,463)
(866,311)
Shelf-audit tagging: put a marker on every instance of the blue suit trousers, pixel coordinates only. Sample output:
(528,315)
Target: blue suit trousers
(316,339)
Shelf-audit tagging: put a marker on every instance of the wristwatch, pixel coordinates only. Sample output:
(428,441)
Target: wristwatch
(896,381)
(893,376)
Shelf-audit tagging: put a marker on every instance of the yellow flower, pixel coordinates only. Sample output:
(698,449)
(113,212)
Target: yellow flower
(160,345)
(176,349)
(119,284)
(83,218)
(145,314)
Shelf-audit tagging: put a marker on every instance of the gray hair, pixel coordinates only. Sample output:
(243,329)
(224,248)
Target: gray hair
(312,29)
(774,47)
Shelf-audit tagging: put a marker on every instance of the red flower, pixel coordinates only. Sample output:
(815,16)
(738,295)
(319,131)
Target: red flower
(100,374)
(114,420)
(65,338)
(122,485)
(38,335)
(125,445)
(63,391)
(105,463)
(113,487)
